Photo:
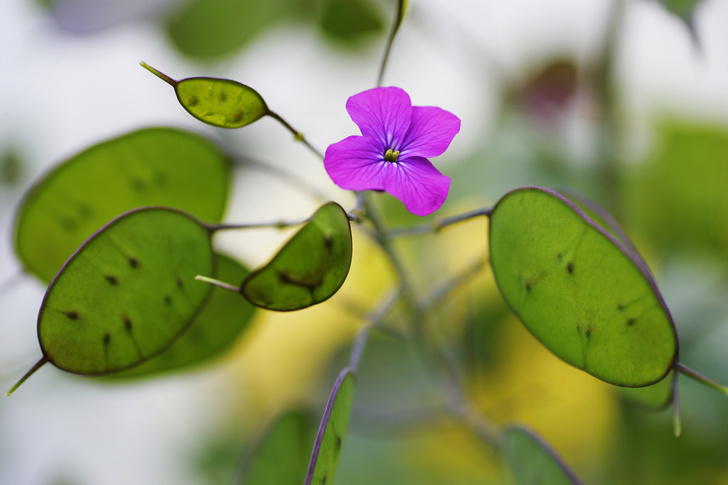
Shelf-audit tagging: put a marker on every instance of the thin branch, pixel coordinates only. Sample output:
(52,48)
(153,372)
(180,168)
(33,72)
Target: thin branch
(381,236)
(701,378)
(218,283)
(32,371)
(474,421)
(357,213)
(676,422)
(159,74)
(436,225)
(297,135)
(456,404)
(395,424)
(256,225)
(373,319)
(390,40)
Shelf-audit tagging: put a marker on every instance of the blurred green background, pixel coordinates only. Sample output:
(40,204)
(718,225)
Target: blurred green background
(621,101)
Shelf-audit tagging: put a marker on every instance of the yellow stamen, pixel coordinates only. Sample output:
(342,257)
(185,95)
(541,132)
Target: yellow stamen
(391,156)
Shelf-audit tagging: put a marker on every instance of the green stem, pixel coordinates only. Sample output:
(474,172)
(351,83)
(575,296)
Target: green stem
(357,213)
(256,225)
(37,366)
(218,283)
(382,238)
(159,74)
(676,422)
(297,135)
(438,224)
(390,40)
(457,404)
(701,378)
(607,171)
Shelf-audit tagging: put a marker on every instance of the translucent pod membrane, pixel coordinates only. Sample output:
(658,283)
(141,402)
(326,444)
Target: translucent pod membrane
(310,267)
(218,102)
(127,293)
(578,290)
(216,328)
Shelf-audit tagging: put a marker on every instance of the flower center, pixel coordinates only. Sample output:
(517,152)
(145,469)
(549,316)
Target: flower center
(391,156)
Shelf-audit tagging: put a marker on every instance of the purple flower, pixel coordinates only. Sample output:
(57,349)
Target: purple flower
(393,150)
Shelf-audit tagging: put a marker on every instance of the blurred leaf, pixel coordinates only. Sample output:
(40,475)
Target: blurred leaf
(280,455)
(578,291)
(685,11)
(332,432)
(480,346)
(682,8)
(309,269)
(643,453)
(11,168)
(153,166)
(402,9)
(216,457)
(390,383)
(532,461)
(679,196)
(126,293)
(220,102)
(209,29)
(349,20)
(215,329)
(657,396)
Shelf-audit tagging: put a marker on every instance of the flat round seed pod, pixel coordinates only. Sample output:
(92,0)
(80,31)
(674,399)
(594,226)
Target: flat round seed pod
(148,167)
(127,293)
(578,290)
(309,269)
(220,102)
(214,330)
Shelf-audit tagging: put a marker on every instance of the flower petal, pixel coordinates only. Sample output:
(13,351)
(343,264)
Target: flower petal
(383,114)
(418,184)
(431,131)
(355,163)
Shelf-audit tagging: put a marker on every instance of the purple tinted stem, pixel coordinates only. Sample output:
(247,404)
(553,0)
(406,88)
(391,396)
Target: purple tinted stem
(324,424)
(701,378)
(159,74)
(437,224)
(37,366)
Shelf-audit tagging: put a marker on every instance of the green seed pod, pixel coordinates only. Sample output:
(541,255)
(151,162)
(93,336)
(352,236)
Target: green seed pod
(127,293)
(578,290)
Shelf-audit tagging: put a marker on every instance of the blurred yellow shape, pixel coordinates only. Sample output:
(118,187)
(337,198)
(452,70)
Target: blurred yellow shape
(448,453)
(572,410)
(281,360)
